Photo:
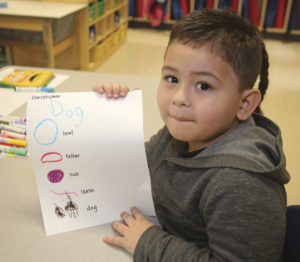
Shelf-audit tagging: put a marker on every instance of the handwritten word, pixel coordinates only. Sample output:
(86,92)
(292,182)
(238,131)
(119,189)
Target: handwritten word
(91,208)
(86,191)
(35,97)
(72,155)
(67,133)
(58,110)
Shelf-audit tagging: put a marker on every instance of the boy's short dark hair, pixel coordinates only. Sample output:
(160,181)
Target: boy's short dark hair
(236,40)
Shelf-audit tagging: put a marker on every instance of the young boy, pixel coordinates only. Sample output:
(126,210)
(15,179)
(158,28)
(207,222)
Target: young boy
(217,168)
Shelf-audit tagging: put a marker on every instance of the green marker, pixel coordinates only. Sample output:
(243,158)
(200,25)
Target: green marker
(14,150)
(6,85)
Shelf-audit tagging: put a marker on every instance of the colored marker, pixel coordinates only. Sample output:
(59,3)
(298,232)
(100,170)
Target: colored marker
(20,122)
(33,89)
(17,125)
(13,150)
(13,129)
(7,121)
(13,135)
(13,117)
(11,141)
(4,121)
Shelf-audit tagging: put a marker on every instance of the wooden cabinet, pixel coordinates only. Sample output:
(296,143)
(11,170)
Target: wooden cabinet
(277,13)
(102,29)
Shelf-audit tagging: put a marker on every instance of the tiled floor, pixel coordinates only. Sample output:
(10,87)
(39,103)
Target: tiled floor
(143,52)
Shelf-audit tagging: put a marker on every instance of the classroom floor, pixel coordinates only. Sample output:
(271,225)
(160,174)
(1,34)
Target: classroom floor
(143,52)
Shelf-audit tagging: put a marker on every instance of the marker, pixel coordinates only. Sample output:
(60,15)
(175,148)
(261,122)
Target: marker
(20,122)
(7,121)
(13,135)
(11,141)
(14,150)
(17,125)
(13,117)
(13,129)
(4,121)
(33,89)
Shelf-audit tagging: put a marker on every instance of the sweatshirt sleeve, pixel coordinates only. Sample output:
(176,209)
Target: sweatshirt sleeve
(157,245)
(245,221)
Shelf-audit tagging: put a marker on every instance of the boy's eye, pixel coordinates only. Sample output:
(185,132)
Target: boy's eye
(203,86)
(172,79)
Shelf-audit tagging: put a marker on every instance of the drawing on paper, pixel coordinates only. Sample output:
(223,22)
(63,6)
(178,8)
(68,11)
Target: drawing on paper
(65,193)
(59,212)
(55,176)
(51,157)
(46,131)
(71,207)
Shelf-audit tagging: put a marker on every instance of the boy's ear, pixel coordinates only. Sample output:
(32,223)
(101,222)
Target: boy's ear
(250,100)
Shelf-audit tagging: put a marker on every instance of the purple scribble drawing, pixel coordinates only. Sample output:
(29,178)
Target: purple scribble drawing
(55,176)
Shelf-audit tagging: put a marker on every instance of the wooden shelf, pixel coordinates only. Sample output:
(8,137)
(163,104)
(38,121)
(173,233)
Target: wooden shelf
(102,27)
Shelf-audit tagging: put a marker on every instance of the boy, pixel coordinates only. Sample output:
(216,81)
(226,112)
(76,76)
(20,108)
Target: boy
(217,168)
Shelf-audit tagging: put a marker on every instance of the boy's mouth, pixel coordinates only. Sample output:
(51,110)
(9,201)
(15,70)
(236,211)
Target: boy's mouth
(181,118)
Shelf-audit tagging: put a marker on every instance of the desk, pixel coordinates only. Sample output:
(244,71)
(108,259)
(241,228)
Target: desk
(21,225)
(39,16)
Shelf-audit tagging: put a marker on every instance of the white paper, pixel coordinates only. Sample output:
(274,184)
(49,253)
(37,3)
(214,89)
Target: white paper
(89,158)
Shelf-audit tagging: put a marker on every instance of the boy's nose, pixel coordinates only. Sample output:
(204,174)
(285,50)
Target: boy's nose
(181,96)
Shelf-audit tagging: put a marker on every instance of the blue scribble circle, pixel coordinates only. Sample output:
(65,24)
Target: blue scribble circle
(50,138)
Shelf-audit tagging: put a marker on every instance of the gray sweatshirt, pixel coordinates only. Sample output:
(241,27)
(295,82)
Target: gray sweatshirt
(227,203)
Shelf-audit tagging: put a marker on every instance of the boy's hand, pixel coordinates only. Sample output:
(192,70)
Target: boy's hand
(111,90)
(132,229)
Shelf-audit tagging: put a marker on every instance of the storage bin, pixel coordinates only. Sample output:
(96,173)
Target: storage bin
(92,11)
(101,7)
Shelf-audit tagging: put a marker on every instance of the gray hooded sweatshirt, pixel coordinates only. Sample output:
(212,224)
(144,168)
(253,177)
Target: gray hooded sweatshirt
(227,203)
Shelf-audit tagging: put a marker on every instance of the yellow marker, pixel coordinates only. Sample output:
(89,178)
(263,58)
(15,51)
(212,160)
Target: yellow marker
(11,141)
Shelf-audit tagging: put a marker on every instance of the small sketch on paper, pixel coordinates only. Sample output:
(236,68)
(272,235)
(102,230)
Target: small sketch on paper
(55,176)
(71,207)
(59,212)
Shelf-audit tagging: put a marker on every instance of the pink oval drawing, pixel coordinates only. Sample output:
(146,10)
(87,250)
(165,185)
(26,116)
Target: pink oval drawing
(55,176)
(51,157)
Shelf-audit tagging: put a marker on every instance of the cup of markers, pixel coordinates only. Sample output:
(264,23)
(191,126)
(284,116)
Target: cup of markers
(13,136)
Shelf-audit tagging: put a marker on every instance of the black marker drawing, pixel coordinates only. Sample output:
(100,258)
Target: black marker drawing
(71,207)
(59,212)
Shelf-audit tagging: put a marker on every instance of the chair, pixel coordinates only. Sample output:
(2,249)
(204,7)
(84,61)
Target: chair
(291,252)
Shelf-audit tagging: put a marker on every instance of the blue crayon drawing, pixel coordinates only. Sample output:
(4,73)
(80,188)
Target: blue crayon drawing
(46,123)
(57,109)
(79,112)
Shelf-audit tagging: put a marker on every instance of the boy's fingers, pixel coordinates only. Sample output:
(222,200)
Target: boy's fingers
(99,89)
(115,241)
(137,213)
(124,91)
(126,218)
(116,89)
(119,227)
(108,89)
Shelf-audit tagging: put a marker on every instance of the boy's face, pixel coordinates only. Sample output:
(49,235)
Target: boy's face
(198,95)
